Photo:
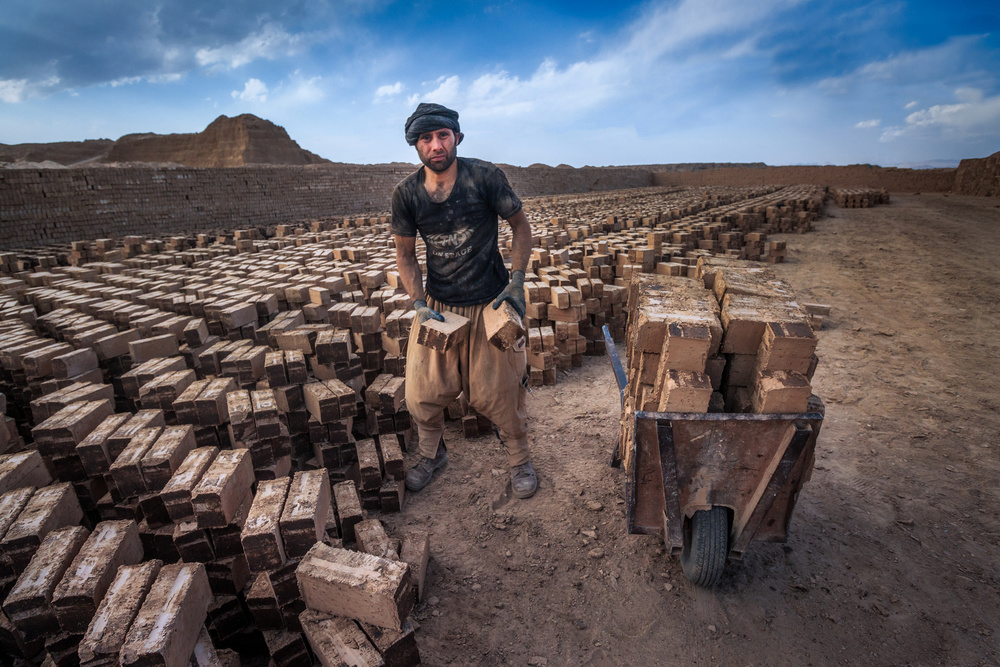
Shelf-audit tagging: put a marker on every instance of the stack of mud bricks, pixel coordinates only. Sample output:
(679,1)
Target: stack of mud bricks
(366,624)
(732,340)
(859,197)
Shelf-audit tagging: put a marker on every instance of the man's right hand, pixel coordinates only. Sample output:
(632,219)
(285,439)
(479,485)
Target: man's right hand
(425,312)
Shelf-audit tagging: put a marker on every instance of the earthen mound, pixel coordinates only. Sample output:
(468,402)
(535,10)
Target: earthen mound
(226,142)
(979,176)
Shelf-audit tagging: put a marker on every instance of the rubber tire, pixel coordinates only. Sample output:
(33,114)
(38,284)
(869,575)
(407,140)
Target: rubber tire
(706,546)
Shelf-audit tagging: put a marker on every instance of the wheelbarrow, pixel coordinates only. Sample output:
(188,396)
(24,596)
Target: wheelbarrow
(711,483)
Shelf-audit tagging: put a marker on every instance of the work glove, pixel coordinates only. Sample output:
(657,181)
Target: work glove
(514,293)
(425,312)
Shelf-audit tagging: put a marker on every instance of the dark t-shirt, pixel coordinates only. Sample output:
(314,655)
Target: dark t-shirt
(464,266)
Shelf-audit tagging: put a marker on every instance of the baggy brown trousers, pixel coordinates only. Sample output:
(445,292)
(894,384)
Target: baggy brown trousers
(491,379)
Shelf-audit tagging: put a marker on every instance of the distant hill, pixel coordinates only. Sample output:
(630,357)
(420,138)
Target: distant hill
(226,142)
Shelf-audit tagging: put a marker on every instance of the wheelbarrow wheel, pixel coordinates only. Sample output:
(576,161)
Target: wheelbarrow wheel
(706,546)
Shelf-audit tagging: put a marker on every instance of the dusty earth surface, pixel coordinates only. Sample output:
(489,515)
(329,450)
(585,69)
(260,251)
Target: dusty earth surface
(893,555)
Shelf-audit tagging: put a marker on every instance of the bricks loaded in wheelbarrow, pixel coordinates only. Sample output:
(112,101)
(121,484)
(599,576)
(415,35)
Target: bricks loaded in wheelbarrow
(719,423)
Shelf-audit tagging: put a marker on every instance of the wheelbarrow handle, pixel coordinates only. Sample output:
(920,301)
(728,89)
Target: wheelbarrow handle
(616,363)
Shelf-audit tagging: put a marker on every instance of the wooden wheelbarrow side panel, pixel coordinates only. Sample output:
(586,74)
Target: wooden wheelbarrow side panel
(752,464)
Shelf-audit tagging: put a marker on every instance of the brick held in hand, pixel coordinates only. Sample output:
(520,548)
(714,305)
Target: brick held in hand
(504,327)
(442,336)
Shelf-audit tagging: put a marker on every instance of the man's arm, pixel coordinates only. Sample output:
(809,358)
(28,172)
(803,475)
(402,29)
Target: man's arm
(413,279)
(520,250)
(408,267)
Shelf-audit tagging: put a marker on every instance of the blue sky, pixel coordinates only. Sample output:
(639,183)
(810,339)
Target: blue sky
(598,83)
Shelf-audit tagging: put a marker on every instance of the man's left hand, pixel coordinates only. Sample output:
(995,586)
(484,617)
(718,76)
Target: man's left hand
(514,293)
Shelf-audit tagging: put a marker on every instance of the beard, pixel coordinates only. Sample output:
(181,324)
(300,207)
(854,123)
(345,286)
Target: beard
(442,166)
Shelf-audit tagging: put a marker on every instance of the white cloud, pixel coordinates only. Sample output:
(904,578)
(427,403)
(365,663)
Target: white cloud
(911,105)
(254,90)
(270,42)
(972,114)
(388,90)
(300,91)
(866,124)
(13,91)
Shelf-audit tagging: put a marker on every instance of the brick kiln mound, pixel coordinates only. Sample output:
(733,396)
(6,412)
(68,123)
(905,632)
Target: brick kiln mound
(226,142)
(979,176)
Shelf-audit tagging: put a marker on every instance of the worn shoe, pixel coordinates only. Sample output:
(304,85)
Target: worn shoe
(420,475)
(523,481)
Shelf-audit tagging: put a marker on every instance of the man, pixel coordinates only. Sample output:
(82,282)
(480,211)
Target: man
(454,204)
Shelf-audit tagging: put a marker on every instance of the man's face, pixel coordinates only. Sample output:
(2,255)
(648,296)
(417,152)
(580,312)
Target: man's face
(437,149)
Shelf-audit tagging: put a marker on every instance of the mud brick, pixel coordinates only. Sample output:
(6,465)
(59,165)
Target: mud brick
(366,320)
(11,505)
(392,456)
(76,598)
(356,585)
(238,315)
(196,332)
(786,346)
(340,432)
(369,465)
(74,363)
(338,641)
(50,508)
(261,535)
(303,519)
(240,408)
(373,389)
(265,413)
(398,647)
(261,602)
(246,365)
(22,469)
(470,426)
(504,327)
(780,392)
(373,539)
(93,450)
(745,317)
(223,488)
(302,340)
(106,633)
(162,391)
(228,576)
(292,400)
(284,583)
(120,439)
(393,395)
(154,347)
(442,336)
(211,404)
(204,653)
(167,626)
(686,346)
(685,391)
(349,511)
(295,365)
(166,454)
(274,369)
(193,543)
(177,492)
(210,436)
(321,402)
(184,406)
(140,375)
(38,363)
(226,539)
(287,649)
(127,467)
(29,603)
(415,551)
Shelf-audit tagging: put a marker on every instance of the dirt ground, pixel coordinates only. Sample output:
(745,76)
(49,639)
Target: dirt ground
(893,553)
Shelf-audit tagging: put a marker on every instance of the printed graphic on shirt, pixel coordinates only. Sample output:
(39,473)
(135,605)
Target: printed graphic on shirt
(455,239)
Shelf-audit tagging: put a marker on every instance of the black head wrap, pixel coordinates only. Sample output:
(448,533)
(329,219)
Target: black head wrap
(430,117)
